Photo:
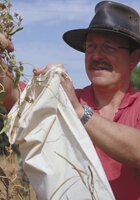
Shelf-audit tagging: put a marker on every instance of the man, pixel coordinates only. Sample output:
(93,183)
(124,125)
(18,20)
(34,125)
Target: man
(109,107)
(111,45)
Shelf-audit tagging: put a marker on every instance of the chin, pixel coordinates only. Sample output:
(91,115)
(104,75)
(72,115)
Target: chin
(100,81)
(100,84)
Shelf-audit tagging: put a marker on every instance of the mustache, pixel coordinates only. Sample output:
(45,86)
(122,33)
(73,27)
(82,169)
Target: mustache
(95,64)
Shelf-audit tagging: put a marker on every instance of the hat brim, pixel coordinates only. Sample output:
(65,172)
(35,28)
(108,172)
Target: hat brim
(77,38)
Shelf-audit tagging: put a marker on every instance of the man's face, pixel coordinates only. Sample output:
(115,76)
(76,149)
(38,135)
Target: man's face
(107,64)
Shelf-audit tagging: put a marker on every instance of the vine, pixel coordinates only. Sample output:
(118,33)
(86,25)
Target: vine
(17,187)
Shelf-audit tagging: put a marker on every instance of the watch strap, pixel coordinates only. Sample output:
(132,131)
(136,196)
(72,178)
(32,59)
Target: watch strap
(88,112)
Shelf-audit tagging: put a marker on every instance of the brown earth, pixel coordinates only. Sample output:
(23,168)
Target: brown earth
(14,184)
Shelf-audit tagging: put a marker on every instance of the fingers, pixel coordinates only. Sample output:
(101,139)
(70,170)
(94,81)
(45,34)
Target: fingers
(38,71)
(44,70)
(65,76)
(49,66)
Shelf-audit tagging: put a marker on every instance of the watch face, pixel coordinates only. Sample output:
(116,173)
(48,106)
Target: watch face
(87,108)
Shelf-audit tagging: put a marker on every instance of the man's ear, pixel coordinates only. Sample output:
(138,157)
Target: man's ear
(135,58)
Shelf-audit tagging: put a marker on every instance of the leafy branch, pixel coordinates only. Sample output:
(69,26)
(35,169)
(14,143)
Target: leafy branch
(9,25)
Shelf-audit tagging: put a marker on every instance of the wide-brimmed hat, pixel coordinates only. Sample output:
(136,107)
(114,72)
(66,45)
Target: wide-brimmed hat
(109,16)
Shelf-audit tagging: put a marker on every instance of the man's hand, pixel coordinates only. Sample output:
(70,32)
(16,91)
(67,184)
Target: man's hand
(66,83)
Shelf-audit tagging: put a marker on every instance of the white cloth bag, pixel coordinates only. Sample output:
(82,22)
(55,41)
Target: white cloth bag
(58,155)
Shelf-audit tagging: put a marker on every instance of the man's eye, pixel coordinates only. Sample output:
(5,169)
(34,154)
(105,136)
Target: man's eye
(109,48)
(89,46)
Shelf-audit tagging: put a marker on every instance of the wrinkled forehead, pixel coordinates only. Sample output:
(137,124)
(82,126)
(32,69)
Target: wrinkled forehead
(106,36)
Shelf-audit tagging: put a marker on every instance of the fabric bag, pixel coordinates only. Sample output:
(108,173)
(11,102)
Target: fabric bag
(58,155)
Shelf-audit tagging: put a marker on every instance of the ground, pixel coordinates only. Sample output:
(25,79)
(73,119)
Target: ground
(14,184)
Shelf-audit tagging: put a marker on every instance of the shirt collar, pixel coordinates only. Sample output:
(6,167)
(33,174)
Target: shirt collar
(129,97)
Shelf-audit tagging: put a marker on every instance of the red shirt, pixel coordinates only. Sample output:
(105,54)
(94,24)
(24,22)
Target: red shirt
(22,85)
(124,180)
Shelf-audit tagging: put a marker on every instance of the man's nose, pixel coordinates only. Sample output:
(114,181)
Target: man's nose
(97,53)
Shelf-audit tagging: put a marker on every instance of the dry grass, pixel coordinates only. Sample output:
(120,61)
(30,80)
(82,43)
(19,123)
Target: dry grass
(14,184)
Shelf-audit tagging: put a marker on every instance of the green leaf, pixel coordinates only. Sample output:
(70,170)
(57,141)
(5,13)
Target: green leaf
(135,77)
(6,125)
(2,94)
(13,31)
(21,68)
(9,16)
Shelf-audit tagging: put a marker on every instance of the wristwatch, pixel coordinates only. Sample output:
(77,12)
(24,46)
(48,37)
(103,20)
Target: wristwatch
(87,114)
